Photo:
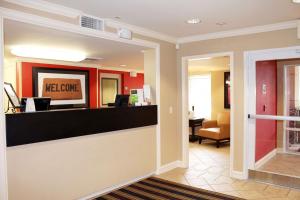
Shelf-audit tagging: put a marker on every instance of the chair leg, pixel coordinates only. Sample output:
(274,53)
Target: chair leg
(218,143)
(200,140)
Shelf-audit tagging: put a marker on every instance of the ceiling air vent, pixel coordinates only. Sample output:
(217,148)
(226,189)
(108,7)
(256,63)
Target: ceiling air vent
(92,23)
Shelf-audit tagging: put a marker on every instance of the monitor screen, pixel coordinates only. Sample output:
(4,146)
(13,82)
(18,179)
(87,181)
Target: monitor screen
(122,100)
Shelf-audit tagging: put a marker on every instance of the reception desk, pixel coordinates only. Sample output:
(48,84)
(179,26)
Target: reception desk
(27,128)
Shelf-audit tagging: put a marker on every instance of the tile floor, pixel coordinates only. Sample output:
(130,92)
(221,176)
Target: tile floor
(209,169)
(283,164)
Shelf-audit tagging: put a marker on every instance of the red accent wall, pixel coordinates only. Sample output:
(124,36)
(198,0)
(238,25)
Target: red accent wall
(127,83)
(133,82)
(266,131)
(27,88)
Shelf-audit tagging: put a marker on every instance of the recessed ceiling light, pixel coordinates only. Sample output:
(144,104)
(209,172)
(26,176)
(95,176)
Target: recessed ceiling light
(193,21)
(42,52)
(123,65)
(296,1)
(117,17)
(221,23)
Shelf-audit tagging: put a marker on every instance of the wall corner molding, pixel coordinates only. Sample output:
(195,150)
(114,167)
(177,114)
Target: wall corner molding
(240,32)
(242,175)
(48,7)
(265,159)
(170,166)
(115,187)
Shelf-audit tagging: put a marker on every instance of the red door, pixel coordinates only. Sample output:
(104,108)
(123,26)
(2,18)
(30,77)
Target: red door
(266,104)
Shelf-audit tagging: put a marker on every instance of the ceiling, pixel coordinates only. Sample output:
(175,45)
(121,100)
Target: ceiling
(113,53)
(169,17)
(209,65)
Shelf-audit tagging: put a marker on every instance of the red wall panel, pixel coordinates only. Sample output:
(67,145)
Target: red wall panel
(27,89)
(133,82)
(266,104)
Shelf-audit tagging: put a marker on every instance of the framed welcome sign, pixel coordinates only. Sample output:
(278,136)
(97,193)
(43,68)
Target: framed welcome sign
(66,88)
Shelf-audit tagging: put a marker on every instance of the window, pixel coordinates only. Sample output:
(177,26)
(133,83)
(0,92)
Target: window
(200,95)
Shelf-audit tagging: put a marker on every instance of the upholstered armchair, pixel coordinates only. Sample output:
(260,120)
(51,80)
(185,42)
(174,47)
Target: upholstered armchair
(218,130)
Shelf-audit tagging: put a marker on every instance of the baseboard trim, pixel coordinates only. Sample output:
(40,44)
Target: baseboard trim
(280,150)
(239,175)
(115,187)
(170,166)
(265,159)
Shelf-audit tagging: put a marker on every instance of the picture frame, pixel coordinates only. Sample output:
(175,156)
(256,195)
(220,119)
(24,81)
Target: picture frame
(227,90)
(12,95)
(103,79)
(81,77)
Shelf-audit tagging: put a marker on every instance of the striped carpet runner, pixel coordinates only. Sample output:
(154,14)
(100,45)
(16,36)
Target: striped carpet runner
(158,189)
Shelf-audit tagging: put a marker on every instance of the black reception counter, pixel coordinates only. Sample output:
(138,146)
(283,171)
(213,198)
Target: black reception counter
(27,128)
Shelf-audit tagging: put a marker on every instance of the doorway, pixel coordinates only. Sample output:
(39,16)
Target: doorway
(271,131)
(189,111)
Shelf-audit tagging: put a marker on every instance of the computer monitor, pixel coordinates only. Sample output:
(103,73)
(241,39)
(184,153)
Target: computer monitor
(121,100)
(40,103)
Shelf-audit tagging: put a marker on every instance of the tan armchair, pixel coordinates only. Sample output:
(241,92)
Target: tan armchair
(218,130)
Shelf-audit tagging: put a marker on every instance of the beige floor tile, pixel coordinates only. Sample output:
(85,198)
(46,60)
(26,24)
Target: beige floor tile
(294,194)
(209,170)
(222,188)
(232,193)
(251,185)
(210,176)
(205,187)
(252,194)
(197,181)
(215,169)
(222,180)
(275,191)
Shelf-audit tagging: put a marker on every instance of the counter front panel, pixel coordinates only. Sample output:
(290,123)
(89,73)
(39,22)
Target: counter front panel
(26,128)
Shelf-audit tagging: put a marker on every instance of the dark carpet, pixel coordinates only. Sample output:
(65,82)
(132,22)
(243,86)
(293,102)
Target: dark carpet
(159,189)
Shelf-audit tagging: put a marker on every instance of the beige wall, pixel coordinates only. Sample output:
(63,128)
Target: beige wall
(238,45)
(76,167)
(170,132)
(217,91)
(149,73)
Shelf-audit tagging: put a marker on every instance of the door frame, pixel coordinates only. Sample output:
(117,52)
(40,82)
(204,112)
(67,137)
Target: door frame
(3,161)
(184,106)
(250,59)
(118,77)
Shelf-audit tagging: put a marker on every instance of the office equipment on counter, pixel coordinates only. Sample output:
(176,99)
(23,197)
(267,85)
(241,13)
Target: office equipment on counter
(29,105)
(136,97)
(147,94)
(36,104)
(121,100)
